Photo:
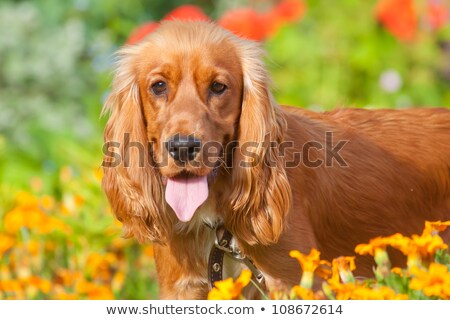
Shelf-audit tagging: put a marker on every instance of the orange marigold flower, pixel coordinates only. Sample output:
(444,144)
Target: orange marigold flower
(24,198)
(14,220)
(41,284)
(228,289)
(398,271)
(376,293)
(434,282)
(418,248)
(66,296)
(6,243)
(33,247)
(149,251)
(99,266)
(374,244)
(94,291)
(303,293)
(67,277)
(117,281)
(309,264)
(345,266)
(434,227)
(399,17)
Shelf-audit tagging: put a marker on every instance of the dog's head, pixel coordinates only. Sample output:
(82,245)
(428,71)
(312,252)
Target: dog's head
(187,102)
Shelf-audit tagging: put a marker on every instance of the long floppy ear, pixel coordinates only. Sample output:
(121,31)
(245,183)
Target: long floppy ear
(261,195)
(130,182)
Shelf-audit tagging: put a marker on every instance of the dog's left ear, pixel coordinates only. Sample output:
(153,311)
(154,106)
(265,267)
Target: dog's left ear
(261,194)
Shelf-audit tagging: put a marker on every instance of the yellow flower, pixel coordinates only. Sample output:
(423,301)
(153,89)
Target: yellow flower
(334,284)
(33,247)
(67,277)
(101,292)
(427,244)
(47,202)
(66,296)
(343,290)
(99,266)
(228,289)
(345,266)
(11,286)
(6,243)
(309,264)
(148,251)
(377,293)
(14,220)
(118,281)
(94,291)
(434,227)
(79,200)
(42,284)
(24,198)
(417,247)
(52,224)
(302,293)
(434,282)
(376,243)
(398,271)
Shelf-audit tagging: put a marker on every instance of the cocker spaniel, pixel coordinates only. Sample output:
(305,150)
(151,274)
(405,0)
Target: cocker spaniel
(195,143)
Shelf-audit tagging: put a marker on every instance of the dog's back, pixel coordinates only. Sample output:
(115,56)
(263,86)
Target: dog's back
(380,172)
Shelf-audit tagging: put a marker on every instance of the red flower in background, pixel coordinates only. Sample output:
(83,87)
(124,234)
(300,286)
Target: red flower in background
(248,23)
(438,14)
(245,23)
(399,17)
(287,11)
(187,12)
(141,32)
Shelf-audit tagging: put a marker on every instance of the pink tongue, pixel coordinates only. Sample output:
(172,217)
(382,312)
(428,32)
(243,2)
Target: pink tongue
(185,195)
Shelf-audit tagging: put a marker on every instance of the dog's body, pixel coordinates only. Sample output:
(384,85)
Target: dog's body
(323,180)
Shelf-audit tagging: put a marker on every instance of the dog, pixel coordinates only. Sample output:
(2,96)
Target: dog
(195,140)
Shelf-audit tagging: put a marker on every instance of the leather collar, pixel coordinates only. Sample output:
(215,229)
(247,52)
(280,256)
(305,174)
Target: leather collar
(223,245)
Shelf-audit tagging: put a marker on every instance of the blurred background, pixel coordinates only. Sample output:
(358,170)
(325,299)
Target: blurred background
(58,237)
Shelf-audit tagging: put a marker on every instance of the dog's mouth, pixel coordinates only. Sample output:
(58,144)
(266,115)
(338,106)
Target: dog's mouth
(186,192)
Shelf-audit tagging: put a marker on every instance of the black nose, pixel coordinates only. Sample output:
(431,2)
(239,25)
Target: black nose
(183,148)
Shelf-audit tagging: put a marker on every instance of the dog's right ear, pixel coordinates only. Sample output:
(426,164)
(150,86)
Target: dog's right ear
(261,194)
(132,184)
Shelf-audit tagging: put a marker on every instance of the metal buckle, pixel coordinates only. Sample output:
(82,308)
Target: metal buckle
(223,245)
(235,253)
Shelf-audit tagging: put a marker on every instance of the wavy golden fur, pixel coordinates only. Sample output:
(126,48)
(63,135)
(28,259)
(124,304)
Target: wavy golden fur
(395,174)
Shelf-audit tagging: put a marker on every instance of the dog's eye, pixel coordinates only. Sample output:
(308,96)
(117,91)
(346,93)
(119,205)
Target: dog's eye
(217,87)
(159,88)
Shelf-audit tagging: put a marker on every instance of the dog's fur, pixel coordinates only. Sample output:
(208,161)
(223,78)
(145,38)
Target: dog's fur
(396,173)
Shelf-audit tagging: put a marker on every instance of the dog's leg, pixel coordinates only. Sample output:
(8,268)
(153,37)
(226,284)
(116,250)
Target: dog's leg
(178,275)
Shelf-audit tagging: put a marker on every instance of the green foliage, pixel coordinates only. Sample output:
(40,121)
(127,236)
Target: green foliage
(335,58)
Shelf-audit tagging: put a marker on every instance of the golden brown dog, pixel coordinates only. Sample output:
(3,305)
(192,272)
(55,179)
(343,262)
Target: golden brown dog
(199,140)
